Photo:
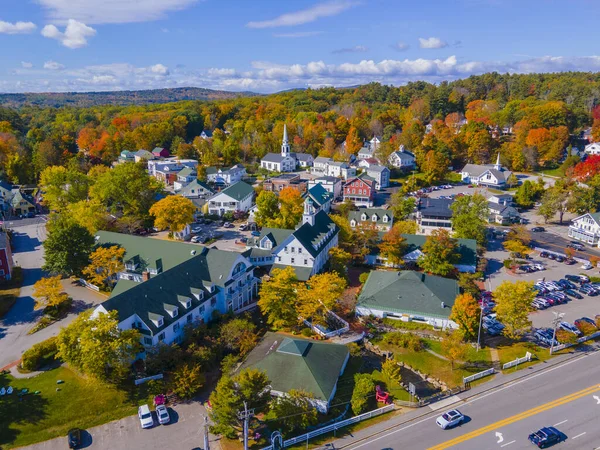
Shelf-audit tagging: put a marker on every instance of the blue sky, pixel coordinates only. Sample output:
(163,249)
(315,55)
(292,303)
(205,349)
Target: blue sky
(270,45)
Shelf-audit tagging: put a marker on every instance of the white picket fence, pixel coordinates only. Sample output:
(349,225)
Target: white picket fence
(332,427)
(517,361)
(579,341)
(479,375)
(91,286)
(333,333)
(153,377)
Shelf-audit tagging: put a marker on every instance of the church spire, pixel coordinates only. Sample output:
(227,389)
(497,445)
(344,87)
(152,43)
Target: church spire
(498,166)
(285,146)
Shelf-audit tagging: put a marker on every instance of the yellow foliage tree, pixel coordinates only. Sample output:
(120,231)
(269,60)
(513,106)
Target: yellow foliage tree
(105,262)
(319,295)
(48,292)
(173,212)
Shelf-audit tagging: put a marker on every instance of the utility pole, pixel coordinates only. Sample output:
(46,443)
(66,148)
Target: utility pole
(558,316)
(245,415)
(480,321)
(206,444)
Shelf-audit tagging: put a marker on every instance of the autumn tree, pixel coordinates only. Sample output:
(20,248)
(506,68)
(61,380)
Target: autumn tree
(62,187)
(339,261)
(294,411)
(513,305)
(364,388)
(435,167)
(291,206)
(402,206)
(353,141)
(105,264)
(466,312)
(267,205)
(554,201)
(173,212)
(440,253)
(319,295)
(470,215)
(187,380)
(406,226)
(238,335)
(277,298)
(48,292)
(393,247)
(454,348)
(391,371)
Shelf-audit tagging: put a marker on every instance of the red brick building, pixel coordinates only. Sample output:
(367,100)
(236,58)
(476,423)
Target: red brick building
(6,260)
(360,190)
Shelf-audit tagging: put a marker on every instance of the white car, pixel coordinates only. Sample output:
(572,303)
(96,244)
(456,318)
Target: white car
(145,416)
(450,419)
(586,266)
(163,414)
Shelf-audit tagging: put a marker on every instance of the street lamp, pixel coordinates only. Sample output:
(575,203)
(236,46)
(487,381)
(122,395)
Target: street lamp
(558,316)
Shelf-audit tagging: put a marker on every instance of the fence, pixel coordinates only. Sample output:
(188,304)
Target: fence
(579,341)
(333,427)
(479,375)
(89,285)
(143,380)
(330,334)
(517,361)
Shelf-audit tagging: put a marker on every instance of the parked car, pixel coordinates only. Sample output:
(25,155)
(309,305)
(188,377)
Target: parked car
(450,419)
(74,438)
(538,229)
(197,230)
(145,416)
(30,214)
(544,254)
(586,266)
(570,328)
(163,414)
(572,293)
(196,239)
(570,261)
(560,258)
(228,225)
(545,437)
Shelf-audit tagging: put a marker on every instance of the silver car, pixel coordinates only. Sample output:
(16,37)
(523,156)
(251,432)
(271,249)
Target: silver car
(163,414)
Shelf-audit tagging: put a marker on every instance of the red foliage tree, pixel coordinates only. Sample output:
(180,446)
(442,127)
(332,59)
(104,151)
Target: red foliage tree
(588,168)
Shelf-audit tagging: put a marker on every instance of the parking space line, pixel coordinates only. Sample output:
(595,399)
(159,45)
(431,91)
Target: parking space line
(560,423)
(508,443)
(579,435)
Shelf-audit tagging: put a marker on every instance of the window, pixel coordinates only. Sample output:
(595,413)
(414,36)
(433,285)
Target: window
(299,249)
(279,259)
(175,312)
(293,249)
(293,260)
(147,341)
(160,322)
(385,218)
(189,318)
(176,327)
(286,249)
(161,337)
(201,310)
(188,304)
(306,262)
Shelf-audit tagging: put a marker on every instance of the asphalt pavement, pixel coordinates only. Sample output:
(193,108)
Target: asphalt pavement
(566,395)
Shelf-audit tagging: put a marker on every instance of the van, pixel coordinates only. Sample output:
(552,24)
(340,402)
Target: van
(576,246)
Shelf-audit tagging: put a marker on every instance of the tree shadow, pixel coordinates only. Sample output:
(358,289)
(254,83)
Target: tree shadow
(18,409)
(24,243)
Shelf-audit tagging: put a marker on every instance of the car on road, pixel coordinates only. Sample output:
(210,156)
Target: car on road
(545,437)
(575,245)
(145,416)
(163,414)
(450,419)
(196,239)
(538,229)
(570,328)
(74,438)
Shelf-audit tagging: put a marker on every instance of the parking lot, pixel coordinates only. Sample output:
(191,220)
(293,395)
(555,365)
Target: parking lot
(227,238)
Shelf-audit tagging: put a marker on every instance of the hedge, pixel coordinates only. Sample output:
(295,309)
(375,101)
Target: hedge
(39,355)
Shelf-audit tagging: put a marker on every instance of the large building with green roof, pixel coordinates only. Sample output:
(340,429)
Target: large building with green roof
(293,363)
(167,285)
(410,296)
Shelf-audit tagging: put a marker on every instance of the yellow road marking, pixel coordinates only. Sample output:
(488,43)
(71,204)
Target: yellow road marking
(525,414)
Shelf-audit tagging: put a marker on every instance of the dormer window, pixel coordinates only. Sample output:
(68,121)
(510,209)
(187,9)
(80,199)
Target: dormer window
(374,218)
(385,218)
(161,322)
(363,217)
(352,223)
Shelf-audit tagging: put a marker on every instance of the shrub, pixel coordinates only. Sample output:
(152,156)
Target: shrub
(586,328)
(354,349)
(507,263)
(363,277)
(39,355)
(306,332)
(408,341)
(565,337)
(364,387)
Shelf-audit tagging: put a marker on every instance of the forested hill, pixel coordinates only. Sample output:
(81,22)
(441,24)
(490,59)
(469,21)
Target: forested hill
(123,98)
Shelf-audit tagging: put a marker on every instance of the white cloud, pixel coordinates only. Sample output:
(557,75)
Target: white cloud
(264,76)
(432,42)
(400,46)
(299,34)
(53,65)
(327,9)
(17,27)
(26,65)
(74,36)
(111,11)
(355,49)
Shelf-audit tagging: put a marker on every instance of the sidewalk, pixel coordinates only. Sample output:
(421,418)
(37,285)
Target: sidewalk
(499,380)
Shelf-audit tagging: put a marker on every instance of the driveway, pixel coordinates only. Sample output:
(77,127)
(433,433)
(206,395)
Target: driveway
(184,432)
(28,253)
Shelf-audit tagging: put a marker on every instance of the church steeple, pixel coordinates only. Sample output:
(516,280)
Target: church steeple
(285,146)
(498,166)
(309,211)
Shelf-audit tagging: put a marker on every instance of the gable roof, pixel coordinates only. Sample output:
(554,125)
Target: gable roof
(310,235)
(238,191)
(319,195)
(379,212)
(194,185)
(275,235)
(299,364)
(403,155)
(408,292)
(323,160)
(435,207)
(476,170)
(376,168)
(273,157)
(304,156)
(362,177)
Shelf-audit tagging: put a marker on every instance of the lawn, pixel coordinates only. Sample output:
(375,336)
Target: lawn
(9,291)
(558,172)
(51,413)
(518,349)
(400,324)
(396,391)
(451,177)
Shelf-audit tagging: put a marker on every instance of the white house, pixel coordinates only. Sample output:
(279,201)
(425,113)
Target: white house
(286,161)
(167,285)
(225,176)
(402,159)
(304,160)
(237,197)
(306,248)
(409,296)
(366,152)
(593,148)
(320,165)
(487,174)
(382,219)
(381,175)
(368,162)
(320,196)
(331,184)
(195,189)
(340,170)
(184,177)
(586,228)
(433,213)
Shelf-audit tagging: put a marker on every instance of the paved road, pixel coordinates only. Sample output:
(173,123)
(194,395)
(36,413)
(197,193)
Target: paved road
(553,241)
(29,254)
(567,395)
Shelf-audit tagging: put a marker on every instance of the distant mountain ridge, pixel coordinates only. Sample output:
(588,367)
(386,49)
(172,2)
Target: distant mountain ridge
(121,98)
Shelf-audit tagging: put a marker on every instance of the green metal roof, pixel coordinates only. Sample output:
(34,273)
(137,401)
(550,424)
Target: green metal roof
(302,273)
(298,364)
(408,292)
(379,212)
(319,194)
(238,191)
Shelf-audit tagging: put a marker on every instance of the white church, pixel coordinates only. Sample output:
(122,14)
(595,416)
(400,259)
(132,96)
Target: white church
(286,161)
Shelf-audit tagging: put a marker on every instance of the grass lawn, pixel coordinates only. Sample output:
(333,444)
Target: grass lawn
(10,291)
(451,177)
(396,391)
(558,172)
(78,403)
(400,324)
(518,349)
